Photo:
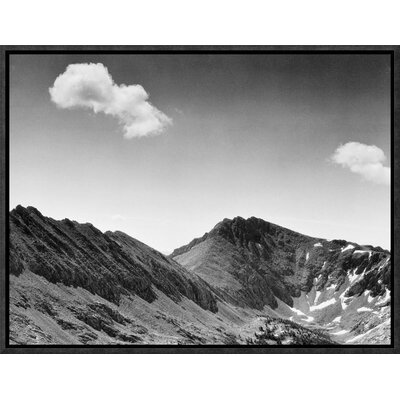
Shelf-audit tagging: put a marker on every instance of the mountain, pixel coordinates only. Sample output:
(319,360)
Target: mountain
(109,265)
(336,285)
(246,281)
(70,282)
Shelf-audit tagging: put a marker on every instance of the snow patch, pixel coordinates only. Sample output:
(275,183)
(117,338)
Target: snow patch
(353,276)
(384,264)
(303,316)
(317,279)
(348,247)
(363,309)
(323,305)
(337,319)
(298,312)
(318,245)
(384,299)
(317,294)
(307,256)
(342,300)
(370,298)
(355,338)
(340,332)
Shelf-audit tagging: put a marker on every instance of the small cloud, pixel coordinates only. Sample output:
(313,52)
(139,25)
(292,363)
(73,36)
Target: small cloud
(91,86)
(363,160)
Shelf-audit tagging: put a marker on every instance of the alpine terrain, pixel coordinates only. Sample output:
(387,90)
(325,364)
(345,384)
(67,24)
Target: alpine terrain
(244,282)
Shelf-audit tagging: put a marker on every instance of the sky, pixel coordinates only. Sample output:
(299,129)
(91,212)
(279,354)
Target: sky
(163,147)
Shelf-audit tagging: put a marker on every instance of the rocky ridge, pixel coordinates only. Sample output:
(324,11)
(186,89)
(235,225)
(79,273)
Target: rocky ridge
(109,265)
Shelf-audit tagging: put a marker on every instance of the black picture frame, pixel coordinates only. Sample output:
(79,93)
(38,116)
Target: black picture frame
(6,51)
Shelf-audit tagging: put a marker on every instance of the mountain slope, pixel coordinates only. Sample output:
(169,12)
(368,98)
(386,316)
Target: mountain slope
(72,284)
(335,284)
(108,265)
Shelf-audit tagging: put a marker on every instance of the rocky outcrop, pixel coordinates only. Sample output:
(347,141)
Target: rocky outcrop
(278,331)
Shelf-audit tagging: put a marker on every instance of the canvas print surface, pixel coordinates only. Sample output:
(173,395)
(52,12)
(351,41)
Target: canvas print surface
(200,199)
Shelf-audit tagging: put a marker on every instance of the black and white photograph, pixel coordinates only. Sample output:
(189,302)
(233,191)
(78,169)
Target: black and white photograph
(237,199)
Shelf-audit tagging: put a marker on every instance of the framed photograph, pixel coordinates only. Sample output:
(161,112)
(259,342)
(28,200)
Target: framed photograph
(199,199)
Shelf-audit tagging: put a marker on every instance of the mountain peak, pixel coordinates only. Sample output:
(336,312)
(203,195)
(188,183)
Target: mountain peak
(252,229)
(254,263)
(29,210)
(239,229)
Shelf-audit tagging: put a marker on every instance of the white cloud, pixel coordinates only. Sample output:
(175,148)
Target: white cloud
(91,86)
(364,160)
